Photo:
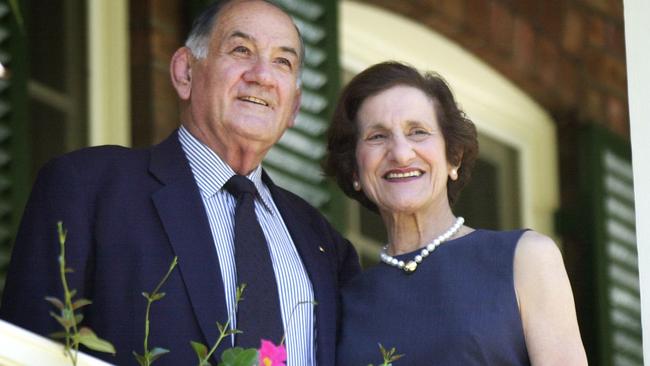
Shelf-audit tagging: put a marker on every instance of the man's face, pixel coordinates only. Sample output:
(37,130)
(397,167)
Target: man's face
(246,90)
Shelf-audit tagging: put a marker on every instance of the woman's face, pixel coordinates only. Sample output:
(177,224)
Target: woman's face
(402,165)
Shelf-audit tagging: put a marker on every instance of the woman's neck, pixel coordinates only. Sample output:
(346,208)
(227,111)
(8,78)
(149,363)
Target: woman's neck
(408,232)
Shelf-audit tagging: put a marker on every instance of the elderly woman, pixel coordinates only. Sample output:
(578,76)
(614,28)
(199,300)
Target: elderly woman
(445,293)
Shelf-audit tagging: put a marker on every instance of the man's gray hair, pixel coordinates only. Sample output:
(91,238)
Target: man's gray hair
(198,40)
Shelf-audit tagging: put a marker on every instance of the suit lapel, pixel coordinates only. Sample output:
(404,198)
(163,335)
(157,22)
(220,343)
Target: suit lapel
(183,217)
(308,243)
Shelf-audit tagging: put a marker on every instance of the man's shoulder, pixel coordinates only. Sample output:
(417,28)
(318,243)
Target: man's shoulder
(98,154)
(98,157)
(96,162)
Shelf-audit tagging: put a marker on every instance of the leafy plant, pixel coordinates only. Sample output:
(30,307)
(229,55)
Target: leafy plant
(67,316)
(74,335)
(268,353)
(389,356)
(149,356)
(236,356)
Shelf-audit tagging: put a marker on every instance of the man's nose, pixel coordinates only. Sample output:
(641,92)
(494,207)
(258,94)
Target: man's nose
(259,72)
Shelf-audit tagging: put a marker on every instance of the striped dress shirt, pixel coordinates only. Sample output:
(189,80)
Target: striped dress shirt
(294,286)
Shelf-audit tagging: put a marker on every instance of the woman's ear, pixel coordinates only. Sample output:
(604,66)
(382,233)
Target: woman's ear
(355,182)
(453,168)
(453,173)
(180,69)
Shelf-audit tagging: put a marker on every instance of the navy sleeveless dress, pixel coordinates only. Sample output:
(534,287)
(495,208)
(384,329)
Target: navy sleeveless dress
(458,308)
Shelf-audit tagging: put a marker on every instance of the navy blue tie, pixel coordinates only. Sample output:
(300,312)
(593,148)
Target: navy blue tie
(258,314)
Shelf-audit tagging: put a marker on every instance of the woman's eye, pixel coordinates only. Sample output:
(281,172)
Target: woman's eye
(420,132)
(376,136)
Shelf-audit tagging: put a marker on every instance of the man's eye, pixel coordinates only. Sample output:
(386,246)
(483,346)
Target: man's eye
(241,49)
(284,61)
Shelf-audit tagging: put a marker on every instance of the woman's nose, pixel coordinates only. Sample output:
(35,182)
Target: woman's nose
(402,150)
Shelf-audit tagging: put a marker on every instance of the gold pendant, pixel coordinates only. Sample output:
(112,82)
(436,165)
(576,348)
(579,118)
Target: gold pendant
(410,267)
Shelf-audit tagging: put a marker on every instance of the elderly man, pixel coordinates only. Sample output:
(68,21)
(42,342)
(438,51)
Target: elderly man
(200,195)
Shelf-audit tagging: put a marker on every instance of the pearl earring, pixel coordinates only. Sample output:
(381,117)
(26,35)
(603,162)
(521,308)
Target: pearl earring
(356,185)
(454,174)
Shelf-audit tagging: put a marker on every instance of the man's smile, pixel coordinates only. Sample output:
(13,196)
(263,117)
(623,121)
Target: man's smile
(254,100)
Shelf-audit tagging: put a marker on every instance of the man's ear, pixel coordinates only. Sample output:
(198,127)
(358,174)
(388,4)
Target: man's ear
(180,69)
(296,107)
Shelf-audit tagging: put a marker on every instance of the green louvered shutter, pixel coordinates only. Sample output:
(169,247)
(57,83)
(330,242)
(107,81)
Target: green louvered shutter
(14,169)
(295,162)
(609,221)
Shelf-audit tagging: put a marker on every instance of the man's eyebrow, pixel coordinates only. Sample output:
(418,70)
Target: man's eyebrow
(248,37)
(240,34)
(290,50)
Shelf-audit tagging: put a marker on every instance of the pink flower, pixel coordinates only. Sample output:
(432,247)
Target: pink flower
(272,355)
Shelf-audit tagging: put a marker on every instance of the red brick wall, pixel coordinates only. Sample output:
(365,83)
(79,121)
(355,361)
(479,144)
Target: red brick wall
(567,55)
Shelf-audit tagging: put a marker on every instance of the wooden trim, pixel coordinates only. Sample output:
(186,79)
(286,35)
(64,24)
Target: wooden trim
(108,55)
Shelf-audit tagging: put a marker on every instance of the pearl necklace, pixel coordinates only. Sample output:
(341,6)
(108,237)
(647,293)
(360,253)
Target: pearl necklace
(412,265)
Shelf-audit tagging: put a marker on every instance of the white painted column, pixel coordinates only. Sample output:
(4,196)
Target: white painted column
(637,29)
(108,64)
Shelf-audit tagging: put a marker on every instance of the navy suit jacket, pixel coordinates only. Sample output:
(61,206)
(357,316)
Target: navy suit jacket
(128,212)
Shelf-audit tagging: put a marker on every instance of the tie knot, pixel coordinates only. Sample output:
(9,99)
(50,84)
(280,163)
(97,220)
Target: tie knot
(237,185)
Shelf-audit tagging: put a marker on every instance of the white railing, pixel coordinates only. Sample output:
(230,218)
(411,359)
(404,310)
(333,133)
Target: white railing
(19,347)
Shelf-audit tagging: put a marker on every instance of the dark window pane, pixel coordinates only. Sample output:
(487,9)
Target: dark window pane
(479,201)
(47,131)
(47,43)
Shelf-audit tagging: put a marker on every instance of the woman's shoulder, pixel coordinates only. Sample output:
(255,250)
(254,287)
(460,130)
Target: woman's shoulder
(538,265)
(537,250)
(490,241)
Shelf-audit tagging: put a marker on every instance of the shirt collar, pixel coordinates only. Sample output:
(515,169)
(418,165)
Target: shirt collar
(211,173)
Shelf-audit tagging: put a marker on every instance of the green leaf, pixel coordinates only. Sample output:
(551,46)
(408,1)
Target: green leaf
(89,339)
(145,294)
(54,301)
(200,349)
(141,359)
(80,303)
(233,331)
(78,318)
(67,313)
(396,357)
(73,293)
(157,296)
(65,323)
(155,353)
(239,357)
